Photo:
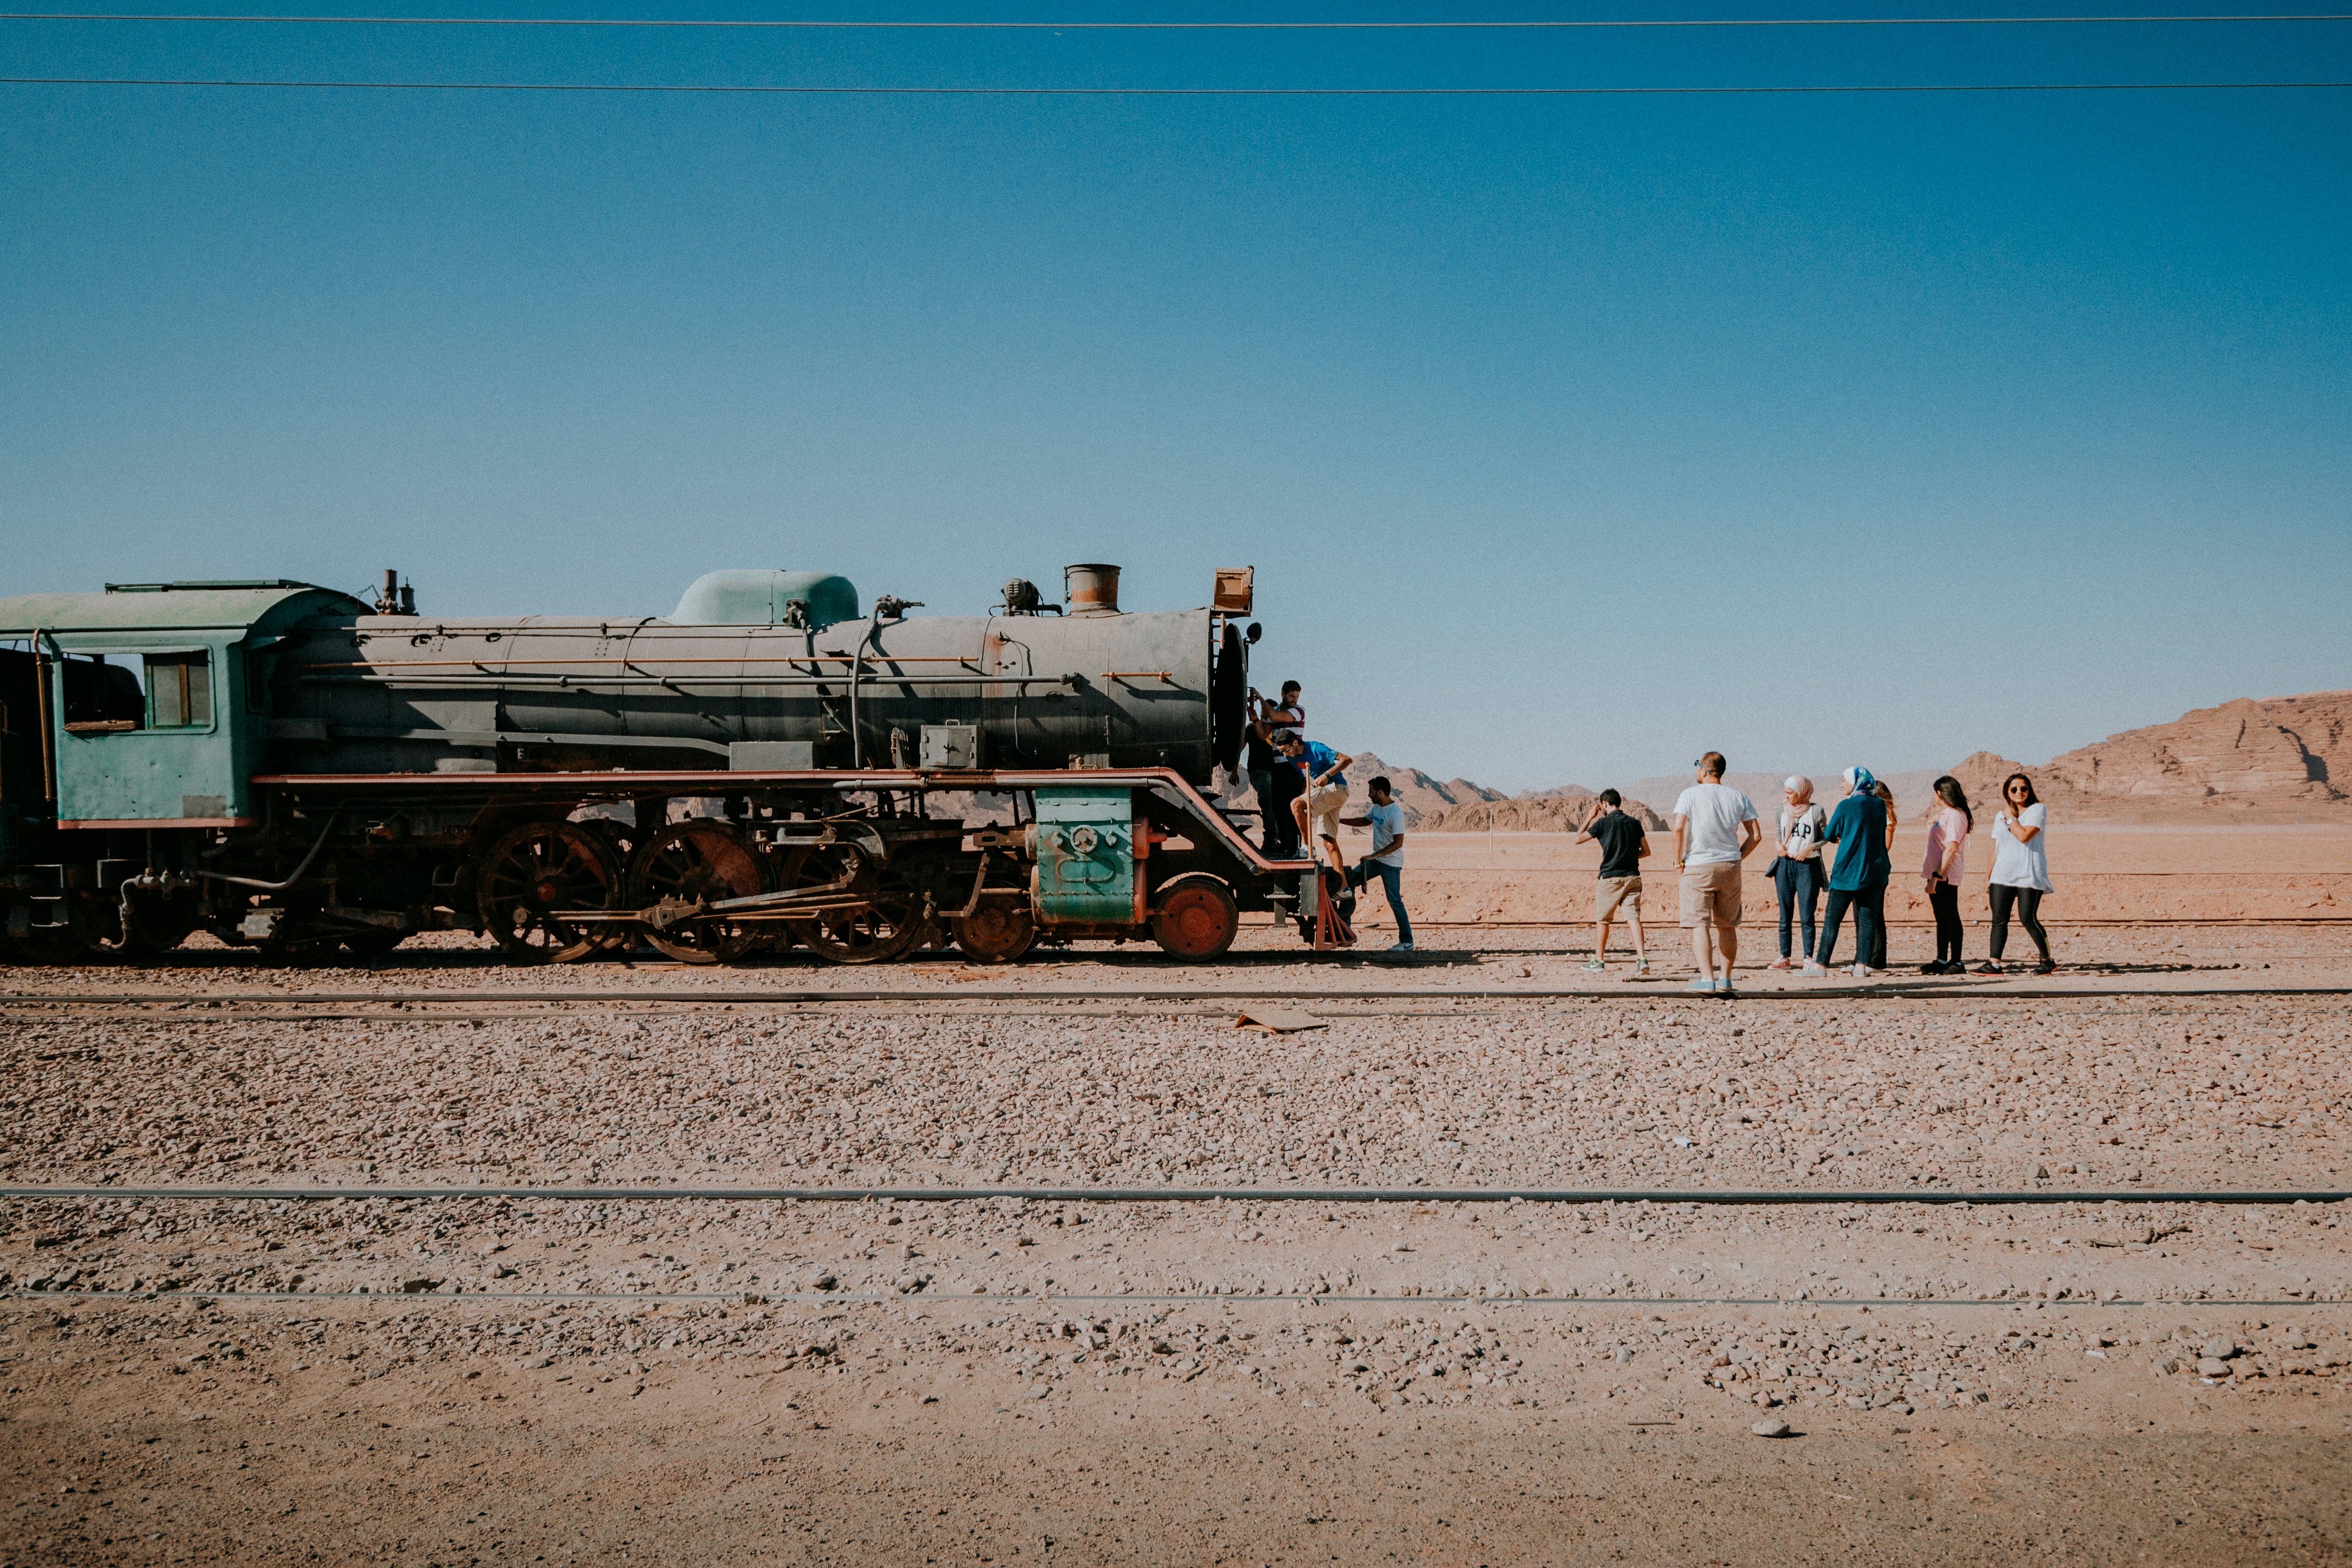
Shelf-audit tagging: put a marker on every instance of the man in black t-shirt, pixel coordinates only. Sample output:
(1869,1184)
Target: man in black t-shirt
(1623,845)
(1274,783)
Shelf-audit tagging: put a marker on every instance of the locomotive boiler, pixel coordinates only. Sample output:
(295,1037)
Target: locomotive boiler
(294,770)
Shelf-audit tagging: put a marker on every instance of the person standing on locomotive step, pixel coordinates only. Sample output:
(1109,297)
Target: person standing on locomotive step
(1715,828)
(1797,869)
(1385,817)
(1858,879)
(1322,796)
(1947,863)
(1270,778)
(1623,845)
(2020,870)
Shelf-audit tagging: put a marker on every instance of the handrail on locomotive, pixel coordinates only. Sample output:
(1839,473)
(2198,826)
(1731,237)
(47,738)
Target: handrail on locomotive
(292,769)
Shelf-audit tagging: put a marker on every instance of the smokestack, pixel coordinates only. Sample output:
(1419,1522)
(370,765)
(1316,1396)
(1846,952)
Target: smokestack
(1091,589)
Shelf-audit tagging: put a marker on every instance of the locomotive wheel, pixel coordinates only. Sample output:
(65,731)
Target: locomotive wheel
(886,923)
(699,862)
(996,933)
(159,924)
(531,877)
(49,946)
(365,945)
(1196,919)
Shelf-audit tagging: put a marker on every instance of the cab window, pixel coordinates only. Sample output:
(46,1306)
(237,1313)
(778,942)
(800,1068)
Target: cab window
(179,690)
(101,696)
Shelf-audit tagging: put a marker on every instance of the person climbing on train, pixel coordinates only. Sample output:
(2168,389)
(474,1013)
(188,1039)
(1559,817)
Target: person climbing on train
(1385,817)
(1947,863)
(1858,878)
(2021,871)
(1323,792)
(1271,780)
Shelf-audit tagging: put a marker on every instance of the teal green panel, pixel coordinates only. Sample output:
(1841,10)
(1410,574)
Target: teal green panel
(155,775)
(1086,854)
(760,597)
(79,621)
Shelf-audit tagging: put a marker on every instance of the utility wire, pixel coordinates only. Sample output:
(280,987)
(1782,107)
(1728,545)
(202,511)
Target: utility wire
(1177,92)
(1165,26)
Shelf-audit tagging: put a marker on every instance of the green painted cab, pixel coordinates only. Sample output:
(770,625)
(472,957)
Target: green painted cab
(157,694)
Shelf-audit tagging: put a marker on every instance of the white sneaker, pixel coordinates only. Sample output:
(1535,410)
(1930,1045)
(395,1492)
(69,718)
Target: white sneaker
(1400,947)
(1812,968)
(1862,972)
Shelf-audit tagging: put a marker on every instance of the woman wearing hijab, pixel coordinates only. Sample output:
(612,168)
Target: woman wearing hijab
(1858,879)
(1947,862)
(1885,794)
(1797,873)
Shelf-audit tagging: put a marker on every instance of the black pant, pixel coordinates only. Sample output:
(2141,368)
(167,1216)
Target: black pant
(2028,910)
(1869,905)
(1945,899)
(1278,831)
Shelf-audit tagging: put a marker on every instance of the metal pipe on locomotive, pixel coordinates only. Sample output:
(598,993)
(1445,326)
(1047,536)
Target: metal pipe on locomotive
(292,769)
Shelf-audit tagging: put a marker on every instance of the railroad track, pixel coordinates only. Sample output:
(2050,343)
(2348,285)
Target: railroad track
(1711,1197)
(486,1007)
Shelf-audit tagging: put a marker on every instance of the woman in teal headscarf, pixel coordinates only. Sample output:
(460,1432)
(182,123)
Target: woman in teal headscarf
(1858,879)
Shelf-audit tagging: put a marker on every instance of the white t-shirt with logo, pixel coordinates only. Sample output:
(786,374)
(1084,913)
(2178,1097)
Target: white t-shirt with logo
(1388,826)
(1714,813)
(2016,865)
(1800,831)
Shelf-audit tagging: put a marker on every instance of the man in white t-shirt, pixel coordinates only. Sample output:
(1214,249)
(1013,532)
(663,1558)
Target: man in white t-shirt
(1715,828)
(1385,817)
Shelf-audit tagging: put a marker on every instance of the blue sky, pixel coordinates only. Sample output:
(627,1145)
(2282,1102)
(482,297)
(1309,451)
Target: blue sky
(1570,436)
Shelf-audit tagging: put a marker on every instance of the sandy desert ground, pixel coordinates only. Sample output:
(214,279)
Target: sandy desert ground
(514,1376)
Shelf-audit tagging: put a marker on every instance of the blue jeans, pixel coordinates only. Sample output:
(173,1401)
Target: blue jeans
(1869,906)
(1391,883)
(1799,884)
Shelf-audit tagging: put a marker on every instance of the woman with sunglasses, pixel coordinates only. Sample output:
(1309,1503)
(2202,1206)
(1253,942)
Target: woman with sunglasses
(2020,870)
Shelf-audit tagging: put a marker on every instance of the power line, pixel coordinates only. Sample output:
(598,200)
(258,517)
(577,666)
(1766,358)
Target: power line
(1177,92)
(1167,27)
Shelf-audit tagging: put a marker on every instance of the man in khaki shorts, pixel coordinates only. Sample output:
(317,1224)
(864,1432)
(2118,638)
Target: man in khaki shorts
(1323,795)
(1623,845)
(1715,828)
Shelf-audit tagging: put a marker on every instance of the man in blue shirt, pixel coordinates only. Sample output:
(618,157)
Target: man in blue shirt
(1385,817)
(1325,795)
(1858,828)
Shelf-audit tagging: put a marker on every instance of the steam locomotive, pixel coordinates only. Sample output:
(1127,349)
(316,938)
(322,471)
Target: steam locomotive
(297,771)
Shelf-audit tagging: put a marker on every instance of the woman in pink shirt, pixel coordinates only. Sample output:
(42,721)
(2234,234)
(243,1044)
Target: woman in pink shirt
(1947,862)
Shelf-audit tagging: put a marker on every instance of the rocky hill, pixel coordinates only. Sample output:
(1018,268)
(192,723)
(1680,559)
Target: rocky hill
(2274,757)
(1421,796)
(1547,812)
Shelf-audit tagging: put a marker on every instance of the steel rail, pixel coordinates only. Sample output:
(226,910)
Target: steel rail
(1923,990)
(925,1299)
(1711,1197)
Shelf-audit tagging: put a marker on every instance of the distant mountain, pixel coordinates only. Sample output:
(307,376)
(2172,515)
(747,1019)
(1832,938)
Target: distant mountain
(1420,794)
(1912,789)
(1548,812)
(2272,756)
